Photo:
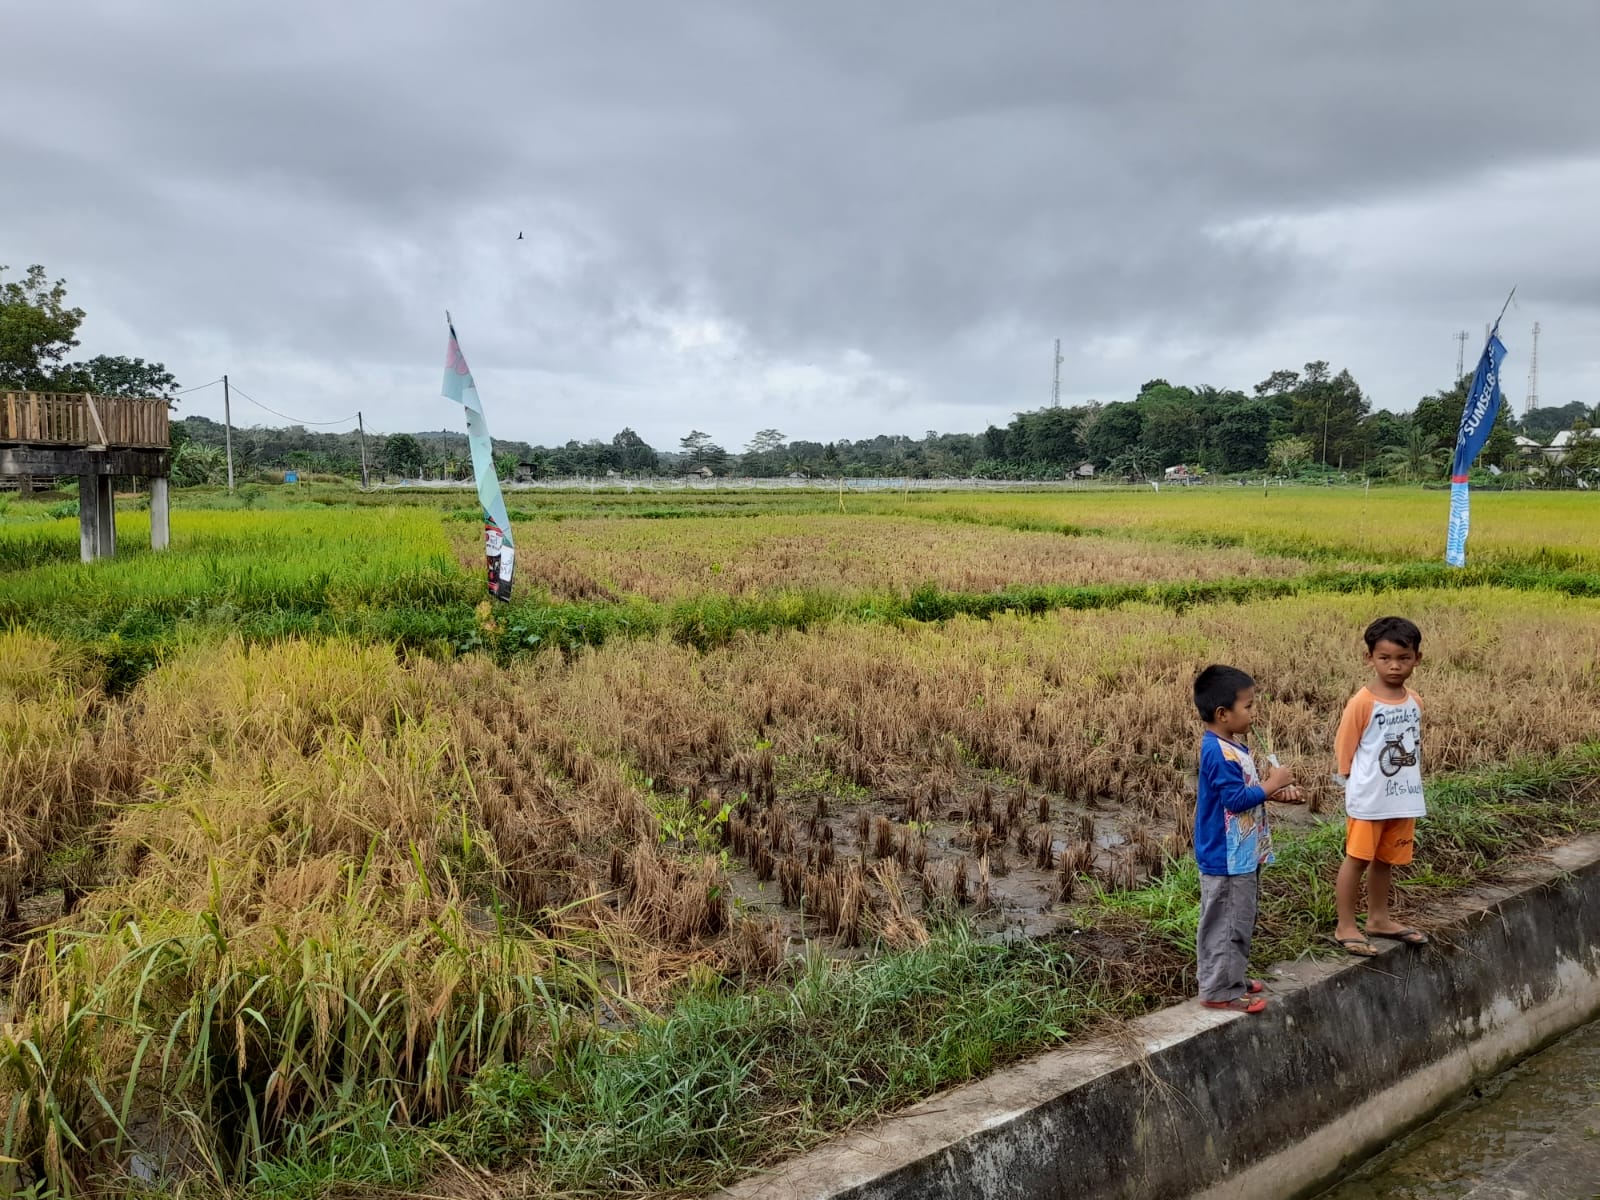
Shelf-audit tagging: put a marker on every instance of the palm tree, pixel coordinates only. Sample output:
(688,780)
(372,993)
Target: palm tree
(1418,457)
(194,464)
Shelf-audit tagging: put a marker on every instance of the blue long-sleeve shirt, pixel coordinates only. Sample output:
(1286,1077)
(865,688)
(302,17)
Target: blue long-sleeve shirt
(1231,836)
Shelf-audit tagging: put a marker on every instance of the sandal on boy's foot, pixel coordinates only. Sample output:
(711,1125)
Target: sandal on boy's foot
(1356,947)
(1411,937)
(1254,987)
(1242,1004)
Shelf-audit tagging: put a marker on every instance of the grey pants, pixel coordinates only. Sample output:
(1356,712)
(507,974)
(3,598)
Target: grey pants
(1227,921)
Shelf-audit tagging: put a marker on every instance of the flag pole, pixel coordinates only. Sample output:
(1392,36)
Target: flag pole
(1478,414)
(1503,308)
(499,547)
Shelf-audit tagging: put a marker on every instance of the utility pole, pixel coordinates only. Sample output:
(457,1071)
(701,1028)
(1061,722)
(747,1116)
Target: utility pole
(227,428)
(362,427)
(1533,374)
(1055,392)
(1461,353)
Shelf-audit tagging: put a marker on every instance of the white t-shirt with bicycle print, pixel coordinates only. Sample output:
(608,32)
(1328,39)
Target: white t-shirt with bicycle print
(1379,748)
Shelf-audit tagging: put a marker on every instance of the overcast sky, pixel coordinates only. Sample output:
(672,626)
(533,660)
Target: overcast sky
(832,218)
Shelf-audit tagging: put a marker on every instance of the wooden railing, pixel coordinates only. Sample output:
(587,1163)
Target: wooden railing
(62,419)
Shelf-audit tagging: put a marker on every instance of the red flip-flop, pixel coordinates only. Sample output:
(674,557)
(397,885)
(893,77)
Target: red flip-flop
(1242,1004)
(1254,987)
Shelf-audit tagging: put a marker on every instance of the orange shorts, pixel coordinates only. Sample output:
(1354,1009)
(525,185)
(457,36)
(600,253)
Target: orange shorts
(1380,841)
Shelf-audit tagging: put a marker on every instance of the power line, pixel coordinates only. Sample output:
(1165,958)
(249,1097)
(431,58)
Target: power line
(286,416)
(199,387)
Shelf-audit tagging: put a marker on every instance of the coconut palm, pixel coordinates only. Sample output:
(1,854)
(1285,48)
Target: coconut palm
(1418,457)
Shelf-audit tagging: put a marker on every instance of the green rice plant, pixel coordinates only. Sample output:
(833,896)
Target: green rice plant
(308,924)
(386,574)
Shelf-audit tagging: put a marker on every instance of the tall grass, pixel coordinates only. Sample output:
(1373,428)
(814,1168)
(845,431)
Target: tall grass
(725,1080)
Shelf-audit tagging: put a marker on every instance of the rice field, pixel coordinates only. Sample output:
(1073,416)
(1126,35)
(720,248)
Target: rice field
(1546,529)
(664,561)
(322,876)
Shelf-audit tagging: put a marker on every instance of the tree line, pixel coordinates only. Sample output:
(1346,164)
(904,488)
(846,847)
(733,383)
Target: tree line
(1296,421)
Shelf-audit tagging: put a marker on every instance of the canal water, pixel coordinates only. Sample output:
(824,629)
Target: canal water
(1501,1120)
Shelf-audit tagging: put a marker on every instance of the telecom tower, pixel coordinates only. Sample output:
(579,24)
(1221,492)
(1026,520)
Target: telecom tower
(1533,374)
(1055,393)
(1461,353)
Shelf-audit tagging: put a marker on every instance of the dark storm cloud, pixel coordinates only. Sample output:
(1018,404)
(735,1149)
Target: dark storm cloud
(833,217)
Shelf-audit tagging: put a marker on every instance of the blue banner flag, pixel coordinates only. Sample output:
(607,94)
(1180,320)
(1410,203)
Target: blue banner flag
(1477,420)
(497,544)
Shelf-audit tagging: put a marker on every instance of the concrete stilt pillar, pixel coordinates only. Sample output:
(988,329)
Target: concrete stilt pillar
(88,526)
(97,518)
(106,502)
(160,522)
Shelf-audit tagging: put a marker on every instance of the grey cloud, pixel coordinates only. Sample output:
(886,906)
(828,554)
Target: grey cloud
(939,188)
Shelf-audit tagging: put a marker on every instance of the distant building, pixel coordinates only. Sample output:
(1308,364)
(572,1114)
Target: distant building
(525,472)
(1562,442)
(1084,470)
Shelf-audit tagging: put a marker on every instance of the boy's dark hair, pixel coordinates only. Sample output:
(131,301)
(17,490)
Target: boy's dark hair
(1219,687)
(1393,629)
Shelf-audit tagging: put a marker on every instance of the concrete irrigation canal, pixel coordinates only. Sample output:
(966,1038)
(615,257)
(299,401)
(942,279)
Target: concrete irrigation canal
(1531,1133)
(1350,1059)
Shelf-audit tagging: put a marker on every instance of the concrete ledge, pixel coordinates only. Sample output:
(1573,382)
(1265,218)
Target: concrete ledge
(1351,1054)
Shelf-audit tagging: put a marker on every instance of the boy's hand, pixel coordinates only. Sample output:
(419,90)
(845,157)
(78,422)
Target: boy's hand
(1289,795)
(1277,779)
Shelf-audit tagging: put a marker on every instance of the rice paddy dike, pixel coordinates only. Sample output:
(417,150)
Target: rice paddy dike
(754,816)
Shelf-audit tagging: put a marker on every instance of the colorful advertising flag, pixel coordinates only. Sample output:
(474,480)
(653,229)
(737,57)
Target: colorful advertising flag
(1477,420)
(497,545)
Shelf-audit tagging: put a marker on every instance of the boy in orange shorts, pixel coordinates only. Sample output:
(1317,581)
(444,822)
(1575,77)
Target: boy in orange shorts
(1379,749)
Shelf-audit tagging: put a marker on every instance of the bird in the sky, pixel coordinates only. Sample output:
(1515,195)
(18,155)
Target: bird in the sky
(519,237)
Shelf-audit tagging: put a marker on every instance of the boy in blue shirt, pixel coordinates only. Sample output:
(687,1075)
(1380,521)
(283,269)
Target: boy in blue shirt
(1231,837)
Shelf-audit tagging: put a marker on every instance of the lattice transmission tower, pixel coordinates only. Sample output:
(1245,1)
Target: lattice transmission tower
(1533,374)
